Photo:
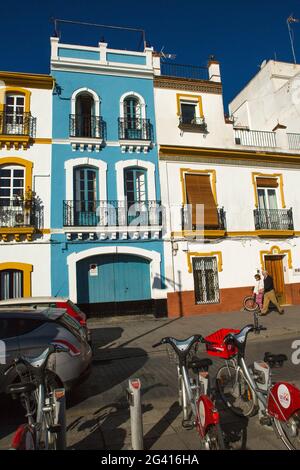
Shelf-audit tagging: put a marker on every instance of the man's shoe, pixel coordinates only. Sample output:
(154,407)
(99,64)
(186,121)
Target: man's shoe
(262,314)
(282,312)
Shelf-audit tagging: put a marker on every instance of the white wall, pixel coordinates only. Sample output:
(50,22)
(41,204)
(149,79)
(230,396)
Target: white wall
(36,254)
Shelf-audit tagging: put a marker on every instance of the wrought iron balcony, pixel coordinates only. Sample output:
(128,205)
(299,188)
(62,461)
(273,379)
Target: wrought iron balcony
(194,124)
(111,213)
(135,129)
(184,71)
(187,220)
(294,141)
(22,124)
(87,126)
(273,219)
(18,213)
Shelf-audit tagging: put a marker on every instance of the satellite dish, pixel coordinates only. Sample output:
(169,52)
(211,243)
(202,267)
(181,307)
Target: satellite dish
(263,64)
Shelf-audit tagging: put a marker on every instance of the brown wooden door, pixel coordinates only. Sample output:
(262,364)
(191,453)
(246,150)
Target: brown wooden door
(274,267)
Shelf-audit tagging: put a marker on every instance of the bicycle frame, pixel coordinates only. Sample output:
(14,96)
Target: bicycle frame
(202,407)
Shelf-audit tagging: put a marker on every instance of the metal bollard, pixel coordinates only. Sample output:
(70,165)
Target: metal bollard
(136,421)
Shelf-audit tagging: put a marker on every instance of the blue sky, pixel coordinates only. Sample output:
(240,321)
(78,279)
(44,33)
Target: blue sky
(241,34)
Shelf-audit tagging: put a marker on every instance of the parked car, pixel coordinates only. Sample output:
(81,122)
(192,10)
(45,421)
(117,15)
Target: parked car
(28,331)
(53,302)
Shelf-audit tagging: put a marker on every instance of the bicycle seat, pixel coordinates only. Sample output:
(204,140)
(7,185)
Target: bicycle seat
(198,364)
(275,359)
(25,387)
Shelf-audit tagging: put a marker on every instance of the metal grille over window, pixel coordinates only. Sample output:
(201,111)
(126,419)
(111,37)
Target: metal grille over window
(206,280)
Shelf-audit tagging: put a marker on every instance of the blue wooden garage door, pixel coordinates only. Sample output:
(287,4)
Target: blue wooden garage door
(113,278)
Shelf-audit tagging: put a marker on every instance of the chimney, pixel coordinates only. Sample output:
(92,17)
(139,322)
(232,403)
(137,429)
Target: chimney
(214,69)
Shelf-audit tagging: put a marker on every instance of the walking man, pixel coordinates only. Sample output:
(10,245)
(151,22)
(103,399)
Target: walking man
(269,294)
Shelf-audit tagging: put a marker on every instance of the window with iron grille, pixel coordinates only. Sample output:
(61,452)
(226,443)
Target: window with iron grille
(206,282)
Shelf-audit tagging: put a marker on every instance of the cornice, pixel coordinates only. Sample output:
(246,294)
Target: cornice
(27,80)
(193,154)
(174,83)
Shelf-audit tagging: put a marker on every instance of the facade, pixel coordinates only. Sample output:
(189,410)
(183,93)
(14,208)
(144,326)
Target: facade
(25,168)
(107,251)
(245,181)
(270,98)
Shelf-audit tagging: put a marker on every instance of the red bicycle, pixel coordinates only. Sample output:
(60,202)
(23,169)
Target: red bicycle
(198,408)
(248,390)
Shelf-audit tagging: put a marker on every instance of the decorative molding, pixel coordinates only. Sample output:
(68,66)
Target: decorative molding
(196,154)
(182,97)
(174,83)
(20,162)
(191,254)
(275,250)
(26,269)
(27,80)
(266,175)
(91,92)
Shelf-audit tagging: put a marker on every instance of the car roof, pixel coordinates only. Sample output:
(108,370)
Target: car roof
(30,300)
(49,314)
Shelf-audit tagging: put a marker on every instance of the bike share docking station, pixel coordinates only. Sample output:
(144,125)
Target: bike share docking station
(136,420)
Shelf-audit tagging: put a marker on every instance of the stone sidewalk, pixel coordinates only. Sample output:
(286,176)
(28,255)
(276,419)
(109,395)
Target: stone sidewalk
(125,336)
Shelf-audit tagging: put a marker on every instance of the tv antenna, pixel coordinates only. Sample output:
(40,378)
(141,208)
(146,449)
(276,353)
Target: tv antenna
(290,20)
(165,55)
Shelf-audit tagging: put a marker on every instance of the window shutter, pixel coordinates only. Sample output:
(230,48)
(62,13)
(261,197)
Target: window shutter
(264,182)
(198,189)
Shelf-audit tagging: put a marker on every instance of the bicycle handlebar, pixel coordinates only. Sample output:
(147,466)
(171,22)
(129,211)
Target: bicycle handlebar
(42,359)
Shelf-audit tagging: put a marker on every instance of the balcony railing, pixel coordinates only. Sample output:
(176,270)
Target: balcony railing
(195,124)
(184,71)
(87,126)
(187,224)
(254,138)
(111,213)
(15,213)
(17,124)
(135,129)
(294,141)
(273,219)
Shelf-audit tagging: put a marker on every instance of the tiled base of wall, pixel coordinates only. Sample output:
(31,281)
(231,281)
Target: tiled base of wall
(183,303)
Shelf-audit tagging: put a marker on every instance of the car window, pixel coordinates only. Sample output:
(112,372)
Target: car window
(8,328)
(27,325)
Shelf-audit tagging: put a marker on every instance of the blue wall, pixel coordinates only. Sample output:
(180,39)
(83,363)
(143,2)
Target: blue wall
(109,89)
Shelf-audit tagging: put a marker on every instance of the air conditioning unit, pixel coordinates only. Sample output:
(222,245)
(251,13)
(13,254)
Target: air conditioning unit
(19,218)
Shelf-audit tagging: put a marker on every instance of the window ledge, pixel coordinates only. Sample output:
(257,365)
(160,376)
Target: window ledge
(16,141)
(86,143)
(137,146)
(16,233)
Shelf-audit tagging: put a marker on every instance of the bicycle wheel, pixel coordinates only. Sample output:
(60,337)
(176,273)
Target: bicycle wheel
(289,431)
(214,438)
(24,438)
(250,304)
(235,391)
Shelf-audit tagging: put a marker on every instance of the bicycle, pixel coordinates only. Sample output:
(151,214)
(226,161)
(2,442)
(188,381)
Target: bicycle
(45,409)
(194,392)
(247,391)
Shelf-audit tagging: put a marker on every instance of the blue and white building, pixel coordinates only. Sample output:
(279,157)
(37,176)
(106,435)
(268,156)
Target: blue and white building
(106,226)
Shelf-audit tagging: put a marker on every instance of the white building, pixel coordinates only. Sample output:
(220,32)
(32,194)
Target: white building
(247,182)
(25,168)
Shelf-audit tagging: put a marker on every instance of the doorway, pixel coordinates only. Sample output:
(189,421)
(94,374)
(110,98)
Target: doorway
(274,266)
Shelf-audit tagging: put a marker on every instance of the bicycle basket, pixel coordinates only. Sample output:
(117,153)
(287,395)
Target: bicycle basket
(219,348)
(173,356)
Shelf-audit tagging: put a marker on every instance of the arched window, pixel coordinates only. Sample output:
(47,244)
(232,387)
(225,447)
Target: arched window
(86,193)
(85,115)
(135,180)
(132,118)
